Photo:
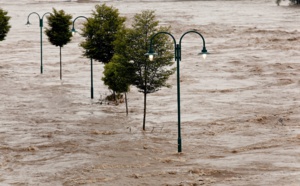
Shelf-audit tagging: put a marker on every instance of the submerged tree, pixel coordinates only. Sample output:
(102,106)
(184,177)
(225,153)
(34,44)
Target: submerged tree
(59,30)
(133,44)
(293,2)
(100,33)
(4,24)
(117,77)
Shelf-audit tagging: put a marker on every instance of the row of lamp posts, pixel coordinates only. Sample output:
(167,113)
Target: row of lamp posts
(151,54)
(41,20)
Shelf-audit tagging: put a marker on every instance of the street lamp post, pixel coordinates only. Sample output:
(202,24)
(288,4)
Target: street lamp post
(177,53)
(41,33)
(74,31)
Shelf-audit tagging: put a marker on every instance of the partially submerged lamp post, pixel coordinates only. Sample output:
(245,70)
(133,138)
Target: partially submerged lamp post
(73,32)
(41,33)
(177,53)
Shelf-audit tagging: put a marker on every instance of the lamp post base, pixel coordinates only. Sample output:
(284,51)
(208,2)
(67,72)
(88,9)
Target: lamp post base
(179,145)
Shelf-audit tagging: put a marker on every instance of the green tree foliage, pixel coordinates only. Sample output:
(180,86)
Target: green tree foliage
(132,44)
(117,76)
(100,33)
(4,24)
(59,30)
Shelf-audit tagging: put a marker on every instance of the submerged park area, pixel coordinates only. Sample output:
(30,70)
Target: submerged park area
(240,106)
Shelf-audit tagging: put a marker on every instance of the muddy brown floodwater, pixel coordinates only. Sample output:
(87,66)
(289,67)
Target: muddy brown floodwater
(240,107)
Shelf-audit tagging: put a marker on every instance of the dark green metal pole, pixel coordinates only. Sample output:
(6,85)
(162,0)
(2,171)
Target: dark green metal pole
(41,32)
(177,56)
(92,86)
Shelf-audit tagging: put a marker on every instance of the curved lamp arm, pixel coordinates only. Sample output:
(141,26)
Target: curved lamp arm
(204,51)
(45,14)
(151,53)
(28,23)
(73,27)
(40,19)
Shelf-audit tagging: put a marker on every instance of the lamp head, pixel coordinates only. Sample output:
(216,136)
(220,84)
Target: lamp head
(151,54)
(28,23)
(73,31)
(204,53)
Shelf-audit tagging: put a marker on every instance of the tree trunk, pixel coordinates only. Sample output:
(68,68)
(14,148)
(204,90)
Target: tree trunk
(114,97)
(126,104)
(60,62)
(145,104)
